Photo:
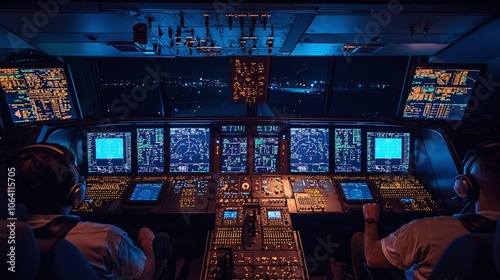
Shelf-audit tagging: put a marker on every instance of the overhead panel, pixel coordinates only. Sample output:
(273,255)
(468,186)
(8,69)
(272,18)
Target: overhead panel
(373,23)
(265,38)
(474,47)
(207,30)
(385,33)
(182,33)
(67,22)
(411,49)
(386,38)
(300,24)
(208,33)
(72,33)
(305,49)
(80,49)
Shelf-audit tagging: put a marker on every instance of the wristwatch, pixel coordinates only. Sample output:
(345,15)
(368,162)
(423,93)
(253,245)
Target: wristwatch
(370,221)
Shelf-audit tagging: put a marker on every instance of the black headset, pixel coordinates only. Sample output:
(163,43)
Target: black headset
(75,193)
(466,181)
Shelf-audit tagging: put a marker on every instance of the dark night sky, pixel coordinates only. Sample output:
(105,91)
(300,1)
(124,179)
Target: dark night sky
(293,69)
(348,72)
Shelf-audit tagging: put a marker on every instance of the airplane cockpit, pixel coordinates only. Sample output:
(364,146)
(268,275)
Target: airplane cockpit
(252,132)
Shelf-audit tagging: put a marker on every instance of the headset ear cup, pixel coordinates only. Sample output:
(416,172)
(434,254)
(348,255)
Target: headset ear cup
(461,186)
(466,187)
(76,195)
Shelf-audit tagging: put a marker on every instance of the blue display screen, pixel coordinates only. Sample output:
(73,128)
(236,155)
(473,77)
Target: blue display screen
(109,152)
(348,147)
(234,155)
(309,150)
(274,215)
(266,154)
(146,192)
(150,150)
(109,148)
(189,149)
(355,191)
(230,214)
(388,148)
(388,152)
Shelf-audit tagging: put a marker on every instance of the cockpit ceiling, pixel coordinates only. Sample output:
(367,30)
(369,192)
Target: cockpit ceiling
(227,28)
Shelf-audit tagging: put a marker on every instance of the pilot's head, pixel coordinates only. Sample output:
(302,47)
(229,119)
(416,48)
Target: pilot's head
(481,178)
(47,179)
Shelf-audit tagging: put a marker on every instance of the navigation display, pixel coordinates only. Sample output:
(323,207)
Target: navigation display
(109,152)
(150,150)
(189,149)
(234,154)
(265,155)
(146,192)
(356,192)
(230,215)
(274,215)
(348,148)
(38,94)
(440,91)
(309,150)
(388,152)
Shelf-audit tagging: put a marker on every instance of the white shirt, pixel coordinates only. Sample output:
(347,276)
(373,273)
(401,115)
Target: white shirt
(108,248)
(422,242)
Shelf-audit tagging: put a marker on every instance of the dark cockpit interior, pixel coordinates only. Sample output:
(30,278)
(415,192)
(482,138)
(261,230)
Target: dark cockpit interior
(252,129)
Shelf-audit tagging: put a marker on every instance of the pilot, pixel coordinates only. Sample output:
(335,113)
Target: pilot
(49,184)
(417,246)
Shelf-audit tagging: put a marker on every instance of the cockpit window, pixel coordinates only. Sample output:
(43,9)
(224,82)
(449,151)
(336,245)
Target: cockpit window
(129,87)
(367,87)
(199,87)
(297,87)
(361,87)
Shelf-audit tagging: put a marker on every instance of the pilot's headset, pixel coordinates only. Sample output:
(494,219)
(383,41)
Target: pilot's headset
(75,191)
(465,185)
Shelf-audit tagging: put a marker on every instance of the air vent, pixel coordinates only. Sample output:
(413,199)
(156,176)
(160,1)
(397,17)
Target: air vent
(126,46)
(362,48)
